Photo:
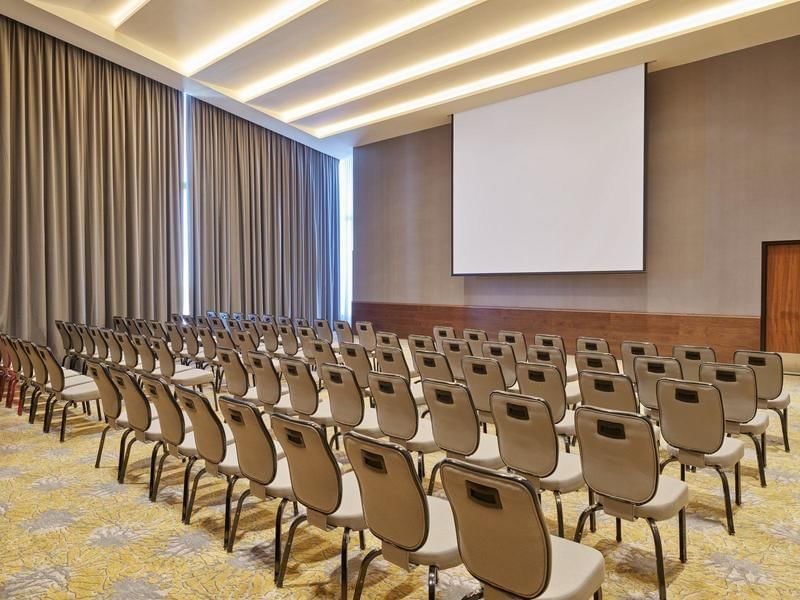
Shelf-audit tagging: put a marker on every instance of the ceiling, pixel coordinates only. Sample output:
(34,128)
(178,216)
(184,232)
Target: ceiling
(339,73)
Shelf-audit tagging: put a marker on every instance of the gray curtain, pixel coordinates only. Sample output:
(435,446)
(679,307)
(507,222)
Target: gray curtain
(265,217)
(89,188)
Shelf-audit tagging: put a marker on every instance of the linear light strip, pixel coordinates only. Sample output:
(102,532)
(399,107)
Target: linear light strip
(254,28)
(514,37)
(714,16)
(125,12)
(380,35)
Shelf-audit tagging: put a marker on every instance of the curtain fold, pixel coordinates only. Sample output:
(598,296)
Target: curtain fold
(265,220)
(89,188)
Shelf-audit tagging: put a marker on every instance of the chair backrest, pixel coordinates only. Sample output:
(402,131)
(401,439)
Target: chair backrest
(394,503)
(166,359)
(288,338)
(300,322)
(355,356)
(119,324)
(283,320)
(137,408)
(514,558)
(88,340)
(366,335)
(442,332)
(255,449)
(691,357)
(303,393)
(344,333)
(517,341)
(417,343)
(100,345)
(66,339)
(25,364)
(550,340)
(251,328)
(323,353)
(216,322)
(202,321)
(307,337)
(609,391)
(691,416)
(387,338)
(237,316)
(631,350)
(170,416)
(235,373)
(649,369)
(40,373)
(266,319)
(619,457)
(11,346)
(313,469)
(483,376)
(189,335)
(146,354)
(768,367)
(544,381)
(737,385)
(130,326)
(75,336)
(55,372)
(475,339)
(504,354)
(392,360)
(454,350)
(130,358)
(268,382)
(143,327)
(224,338)
(395,405)
(549,355)
(596,361)
(526,435)
(114,348)
(109,394)
(244,341)
(592,344)
(208,342)
(270,334)
(344,394)
(453,417)
(157,327)
(323,329)
(209,434)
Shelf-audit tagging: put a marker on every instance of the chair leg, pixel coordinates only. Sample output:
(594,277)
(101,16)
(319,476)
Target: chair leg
(345,544)
(157,479)
(187,473)
(619,529)
(34,405)
(190,503)
(760,458)
(784,416)
(683,472)
(433,575)
(232,479)
(662,585)
(99,411)
(592,518)
(64,420)
(589,510)
(432,482)
(153,458)
(121,456)
(278,521)
(287,550)
(682,534)
(22,393)
(127,455)
(726,490)
(362,572)
(100,448)
(764,449)
(665,462)
(235,522)
(598,595)
(559,513)
(421,465)
(737,477)
(566,444)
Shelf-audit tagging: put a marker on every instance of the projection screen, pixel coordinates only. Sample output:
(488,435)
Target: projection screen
(552,182)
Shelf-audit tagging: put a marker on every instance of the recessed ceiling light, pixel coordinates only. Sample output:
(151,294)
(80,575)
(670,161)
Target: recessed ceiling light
(380,35)
(508,39)
(254,28)
(126,11)
(693,22)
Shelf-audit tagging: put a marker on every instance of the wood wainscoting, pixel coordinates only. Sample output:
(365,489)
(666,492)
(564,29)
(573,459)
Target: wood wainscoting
(722,332)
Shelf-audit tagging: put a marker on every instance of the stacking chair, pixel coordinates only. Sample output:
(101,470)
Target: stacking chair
(455,427)
(592,344)
(175,339)
(442,332)
(504,543)
(70,352)
(157,327)
(475,339)
(202,321)
(630,350)
(357,358)
(118,324)
(77,343)
(100,345)
(130,357)
(344,332)
(41,377)
(224,337)
(71,395)
(209,352)
(299,322)
(550,355)
(433,365)
(417,343)
(619,459)
(216,323)
(115,416)
(517,341)
(267,476)
(596,361)
(347,401)
(13,370)
(246,342)
(37,377)
(236,377)
(649,370)
(392,359)
(609,391)
(414,529)
(504,354)
(269,335)
(366,335)
(691,357)
(177,374)
(130,326)
(544,381)
(455,350)
(89,350)
(323,329)
(272,397)
(289,344)
(304,394)
(283,320)
(114,348)
(8,374)
(307,337)
(528,445)
(332,500)
(768,367)
(737,384)
(483,376)
(323,354)
(553,341)
(194,352)
(398,417)
(387,338)
(25,375)
(693,425)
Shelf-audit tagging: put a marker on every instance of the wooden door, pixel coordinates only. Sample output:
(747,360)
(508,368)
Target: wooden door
(780,296)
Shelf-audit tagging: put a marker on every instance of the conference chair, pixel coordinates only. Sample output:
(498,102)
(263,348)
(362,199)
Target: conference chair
(454,350)
(130,357)
(25,375)
(323,354)
(528,446)
(543,381)
(455,427)
(267,476)
(483,376)
(8,374)
(630,350)
(414,529)
(110,398)
(272,397)
(332,499)
(244,345)
(553,341)
(475,339)
(267,319)
(251,328)
(387,338)
(114,348)
(503,539)
(592,344)
(504,354)
(88,341)
(118,324)
(224,337)
(768,368)
(237,379)
(304,395)
(550,355)
(176,373)
(596,361)
(100,345)
(442,332)
(323,329)
(357,358)
(194,352)
(347,401)
(344,332)
(693,425)
(289,344)
(157,327)
(398,418)
(366,335)
(391,359)
(83,392)
(76,343)
(609,391)
(40,381)
(143,327)
(269,335)
(299,322)
(737,384)
(649,370)
(175,339)
(217,322)
(517,341)
(202,321)
(417,343)
(433,365)
(70,352)
(619,460)
(307,336)
(209,344)
(283,320)
(691,357)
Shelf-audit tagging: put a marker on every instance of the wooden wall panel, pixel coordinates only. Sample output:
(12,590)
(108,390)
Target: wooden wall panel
(781,316)
(724,333)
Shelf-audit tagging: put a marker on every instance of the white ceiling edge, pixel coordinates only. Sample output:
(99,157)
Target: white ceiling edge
(44,21)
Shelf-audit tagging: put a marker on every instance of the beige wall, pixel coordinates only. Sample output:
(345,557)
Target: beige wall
(723,174)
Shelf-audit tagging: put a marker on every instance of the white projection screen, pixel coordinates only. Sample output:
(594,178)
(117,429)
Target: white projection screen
(552,182)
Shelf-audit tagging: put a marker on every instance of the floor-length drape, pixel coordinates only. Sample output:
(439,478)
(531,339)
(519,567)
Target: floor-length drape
(89,188)
(265,219)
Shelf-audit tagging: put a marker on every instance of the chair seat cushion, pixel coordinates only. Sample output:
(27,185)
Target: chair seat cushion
(730,453)
(283,406)
(577,571)
(567,477)
(423,441)
(323,415)
(757,425)
(672,495)
(488,453)
(230,464)
(350,512)
(566,426)
(441,546)
(572,373)
(573,392)
(281,485)
(779,403)
(193,377)
(369,424)
(81,393)
(73,381)
(416,391)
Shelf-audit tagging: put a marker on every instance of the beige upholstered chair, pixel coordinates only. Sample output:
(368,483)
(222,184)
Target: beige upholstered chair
(630,350)
(299,322)
(271,395)
(269,335)
(596,361)
(344,333)
(112,406)
(237,379)
(357,358)
(332,500)
(691,357)
(483,376)
(737,384)
(504,543)
(307,337)
(177,374)
(130,357)
(114,349)
(529,447)
(323,329)
(693,425)
(649,370)
(455,427)
(304,394)
(323,354)
(398,417)
(417,343)
(609,391)
(768,367)
(347,401)
(176,342)
(455,350)
(70,352)
(517,341)
(414,529)
(283,320)
(442,332)
(475,339)
(619,459)
(245,342)
(433,365)
(592,344)
(366,335)
(544,381)
(550,355)
(503,353)
(387,338)
(100,346)
(289,343)
(267,476)
(554,341)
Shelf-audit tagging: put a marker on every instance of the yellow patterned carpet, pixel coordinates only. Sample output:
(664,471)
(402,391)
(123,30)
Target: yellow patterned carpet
(68,530)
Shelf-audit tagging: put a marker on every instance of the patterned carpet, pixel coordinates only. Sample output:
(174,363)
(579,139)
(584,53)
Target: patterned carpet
(68,530)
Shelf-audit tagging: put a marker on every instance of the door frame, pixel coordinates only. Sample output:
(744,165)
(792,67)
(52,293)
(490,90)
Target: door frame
(765,245)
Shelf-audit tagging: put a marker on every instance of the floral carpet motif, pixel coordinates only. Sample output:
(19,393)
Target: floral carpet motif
(69,530)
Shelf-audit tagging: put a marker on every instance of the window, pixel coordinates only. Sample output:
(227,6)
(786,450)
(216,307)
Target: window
(345,237)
